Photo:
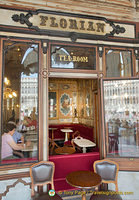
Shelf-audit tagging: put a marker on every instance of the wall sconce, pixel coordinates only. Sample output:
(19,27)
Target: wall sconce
(44,46)
(136,52)
(100,51)
(8,92)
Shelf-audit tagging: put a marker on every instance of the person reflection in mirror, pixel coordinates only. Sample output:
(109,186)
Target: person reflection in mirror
(8,143)
(31,122)
(18,138)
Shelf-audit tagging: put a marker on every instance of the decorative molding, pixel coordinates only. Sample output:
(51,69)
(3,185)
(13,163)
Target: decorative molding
(44,46)
(73,37)
(100,75)
(100,51)
(136,52)
(72,75)
(116,29)
(23,19)
(44,73)
(74,26)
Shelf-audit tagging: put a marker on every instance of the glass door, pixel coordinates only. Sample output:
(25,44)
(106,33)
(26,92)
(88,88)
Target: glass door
(121,117)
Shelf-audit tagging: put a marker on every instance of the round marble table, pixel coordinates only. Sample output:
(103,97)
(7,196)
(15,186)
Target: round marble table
(83,180)
(66,131)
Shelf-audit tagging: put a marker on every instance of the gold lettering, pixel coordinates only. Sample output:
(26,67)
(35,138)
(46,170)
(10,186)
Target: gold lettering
(90,26)
(74,58)
(73,24)
(85,59)
(65,58)
(78,59)
(63,23)
(61,56)
(43,20)
(100,27)
(53,23)
(82,25)
(69,58)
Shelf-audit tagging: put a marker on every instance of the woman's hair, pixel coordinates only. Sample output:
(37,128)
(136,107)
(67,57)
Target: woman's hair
(8,127)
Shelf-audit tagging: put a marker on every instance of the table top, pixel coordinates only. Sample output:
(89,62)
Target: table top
(66,130)
(65,150)
(83,179)
(81,142)
(31,133)
(52,129)
(29,148)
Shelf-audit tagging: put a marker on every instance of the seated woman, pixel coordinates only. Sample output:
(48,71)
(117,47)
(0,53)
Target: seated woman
(8,143)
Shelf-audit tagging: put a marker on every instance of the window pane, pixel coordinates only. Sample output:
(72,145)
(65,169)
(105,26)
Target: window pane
(52,105)
(121,103)
(68,57)
(20,102)
(118,63)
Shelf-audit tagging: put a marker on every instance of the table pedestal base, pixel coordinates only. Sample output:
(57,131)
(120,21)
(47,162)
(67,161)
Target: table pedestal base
(66,137)
(83,195)
(84,149)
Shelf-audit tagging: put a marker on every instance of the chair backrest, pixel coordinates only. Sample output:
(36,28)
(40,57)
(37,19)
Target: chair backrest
(108,170)
(42,173)
(75,134)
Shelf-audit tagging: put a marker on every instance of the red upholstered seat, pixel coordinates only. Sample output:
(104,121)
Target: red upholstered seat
(85,131)
(68,143)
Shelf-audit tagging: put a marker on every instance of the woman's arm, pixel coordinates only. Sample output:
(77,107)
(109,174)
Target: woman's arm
(15,146)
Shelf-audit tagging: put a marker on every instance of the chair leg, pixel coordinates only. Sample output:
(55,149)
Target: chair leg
(32,191)
(116,187)
(52,186)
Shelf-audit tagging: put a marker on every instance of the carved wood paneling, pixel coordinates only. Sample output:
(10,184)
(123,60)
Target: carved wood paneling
(112,9)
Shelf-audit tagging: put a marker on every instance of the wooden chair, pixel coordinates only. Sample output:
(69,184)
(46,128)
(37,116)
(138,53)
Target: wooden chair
(69,142)
(108,170)
(78,149)
(75,134)
(41,174)
(52,146)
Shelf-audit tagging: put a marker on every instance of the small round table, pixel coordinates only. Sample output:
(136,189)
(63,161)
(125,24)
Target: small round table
(83,180)
(52,129)
(66,131)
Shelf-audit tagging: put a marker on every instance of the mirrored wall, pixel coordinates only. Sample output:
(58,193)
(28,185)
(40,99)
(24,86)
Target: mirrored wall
(19,139)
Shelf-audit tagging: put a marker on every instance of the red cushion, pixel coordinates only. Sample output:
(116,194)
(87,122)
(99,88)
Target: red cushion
(67,143)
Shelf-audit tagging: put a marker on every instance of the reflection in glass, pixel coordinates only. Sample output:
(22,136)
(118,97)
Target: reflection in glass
(88,105)
(20,101)
(69,57)
(122,117)
(118,63)
(52,104)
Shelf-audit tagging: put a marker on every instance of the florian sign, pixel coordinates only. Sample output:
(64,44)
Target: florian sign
(63,24)
(71,24)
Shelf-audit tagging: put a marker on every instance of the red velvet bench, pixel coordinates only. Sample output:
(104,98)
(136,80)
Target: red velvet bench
(85,131)
(65,164)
